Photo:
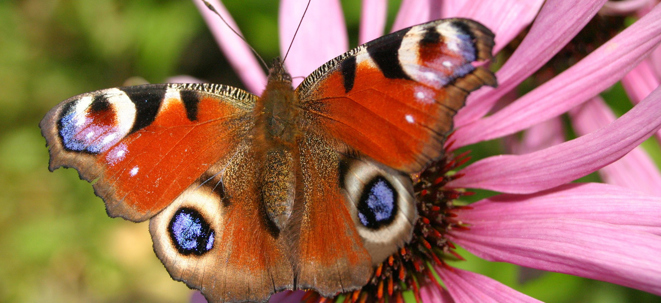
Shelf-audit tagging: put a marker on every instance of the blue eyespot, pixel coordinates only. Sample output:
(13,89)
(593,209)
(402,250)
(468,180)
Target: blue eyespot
(190,233)
(378,204)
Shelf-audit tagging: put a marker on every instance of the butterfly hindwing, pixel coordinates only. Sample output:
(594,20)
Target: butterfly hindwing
(354,213)
(143,146)
(217,238)
(393,98)
(329,255)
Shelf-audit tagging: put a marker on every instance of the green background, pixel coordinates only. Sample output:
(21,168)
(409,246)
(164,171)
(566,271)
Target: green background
(56,242)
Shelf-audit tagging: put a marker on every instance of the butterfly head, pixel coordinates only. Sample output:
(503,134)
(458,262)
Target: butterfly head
(278,73)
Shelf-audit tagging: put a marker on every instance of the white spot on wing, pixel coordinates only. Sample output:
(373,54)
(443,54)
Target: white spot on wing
(447,63)
(80,110)
(424,95)
(363,57)
(134,171)
(109,139)
(451,36)
(409,119)
(453,45)
(116,154)
(431,77)
(172,96)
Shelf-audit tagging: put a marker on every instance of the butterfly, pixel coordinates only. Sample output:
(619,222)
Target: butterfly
(305,188)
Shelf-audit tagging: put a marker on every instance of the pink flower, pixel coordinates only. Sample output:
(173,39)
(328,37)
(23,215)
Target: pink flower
(609,232)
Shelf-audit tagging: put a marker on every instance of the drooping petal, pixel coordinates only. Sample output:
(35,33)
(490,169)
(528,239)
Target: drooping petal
(568,161)
(655,60)
(183,79)
(640,81)
(197,297)
(505,18)
(577,201)
(321,37)
(413,12)
(626,7)
(556,24)
(235,49)
(431,293)
(372,20)
(538,137)
(466,286)
(596,72)
(449,8)
(596,250)
(636,170)
(287,296)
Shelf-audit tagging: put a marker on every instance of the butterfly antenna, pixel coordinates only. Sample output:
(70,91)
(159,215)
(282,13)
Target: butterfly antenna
(213,9)
(297,28)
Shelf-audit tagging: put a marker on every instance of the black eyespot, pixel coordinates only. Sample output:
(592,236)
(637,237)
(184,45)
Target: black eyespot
(190,233)
(378,204)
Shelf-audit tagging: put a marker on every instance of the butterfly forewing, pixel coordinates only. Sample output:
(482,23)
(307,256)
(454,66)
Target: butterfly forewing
(393,98)
(143,146)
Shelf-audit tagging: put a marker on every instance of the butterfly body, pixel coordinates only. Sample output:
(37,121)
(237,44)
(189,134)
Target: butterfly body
(304,188)
(277,132)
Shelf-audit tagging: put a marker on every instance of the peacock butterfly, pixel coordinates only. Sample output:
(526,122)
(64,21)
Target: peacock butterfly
(305,188)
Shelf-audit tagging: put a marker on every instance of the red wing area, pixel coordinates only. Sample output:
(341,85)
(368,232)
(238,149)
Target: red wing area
(143,146)
(393,99)
(379,118)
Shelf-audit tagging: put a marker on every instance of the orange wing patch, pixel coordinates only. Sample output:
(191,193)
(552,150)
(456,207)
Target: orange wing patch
(393,99)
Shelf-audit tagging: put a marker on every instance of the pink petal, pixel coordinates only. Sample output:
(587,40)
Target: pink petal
(567,161)
(626,7)
(197,297)
(602,251)
(640,81)
(505,18)
(655,59)
(596,202)
(413,12)
(321,37)
(183,79)
(449,8)
(596,72)
(540,136)
(235,49)
(556,24)
(372,20)
(636,170)
(466,286)
(287,296)
(430,293)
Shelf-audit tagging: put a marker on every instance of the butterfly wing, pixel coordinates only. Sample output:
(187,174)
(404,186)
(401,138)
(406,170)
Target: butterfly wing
(370,116)
(184,152)
(353,213)
(216,236)
(142,146)
(393,98)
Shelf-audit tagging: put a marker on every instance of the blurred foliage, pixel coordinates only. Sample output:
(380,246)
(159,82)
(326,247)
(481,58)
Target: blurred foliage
(56,242)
